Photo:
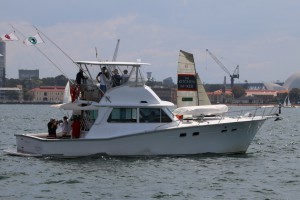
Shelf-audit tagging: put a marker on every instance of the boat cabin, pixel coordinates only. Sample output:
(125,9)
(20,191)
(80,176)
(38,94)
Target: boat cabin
(130,105)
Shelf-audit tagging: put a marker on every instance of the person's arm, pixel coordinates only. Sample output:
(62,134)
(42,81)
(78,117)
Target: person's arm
(97,78)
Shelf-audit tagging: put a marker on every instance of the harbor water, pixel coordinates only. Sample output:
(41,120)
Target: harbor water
(269,170)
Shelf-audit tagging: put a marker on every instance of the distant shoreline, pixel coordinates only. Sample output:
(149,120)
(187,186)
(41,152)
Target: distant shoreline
(33,103)
(49,103)
(267,104)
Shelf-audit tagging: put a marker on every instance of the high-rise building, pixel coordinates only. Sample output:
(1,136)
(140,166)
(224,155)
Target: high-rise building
(2,63)
(28,74)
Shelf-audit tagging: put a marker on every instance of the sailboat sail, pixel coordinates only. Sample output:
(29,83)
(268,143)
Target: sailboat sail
(67,94)
(190,90)
(287,102)
(202,96)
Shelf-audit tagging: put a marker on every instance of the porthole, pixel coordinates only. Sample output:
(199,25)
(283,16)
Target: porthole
(182,135)
(195,133)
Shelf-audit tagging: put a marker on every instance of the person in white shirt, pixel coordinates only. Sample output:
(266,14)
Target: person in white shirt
(103,78)
(125,76)
(65,126)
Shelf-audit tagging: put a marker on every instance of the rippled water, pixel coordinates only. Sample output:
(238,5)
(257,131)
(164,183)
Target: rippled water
(269,170)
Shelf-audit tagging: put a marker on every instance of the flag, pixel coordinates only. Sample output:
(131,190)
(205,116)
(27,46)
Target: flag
(9,37)
(33,40)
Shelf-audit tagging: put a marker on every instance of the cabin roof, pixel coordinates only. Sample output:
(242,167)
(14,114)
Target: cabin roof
(132,96)
(107,63)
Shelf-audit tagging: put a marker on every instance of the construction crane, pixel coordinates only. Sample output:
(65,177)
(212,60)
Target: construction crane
(116,51)
(232,76)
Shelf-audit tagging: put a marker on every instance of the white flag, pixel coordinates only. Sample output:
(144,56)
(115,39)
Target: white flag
(9,37)
(33,40)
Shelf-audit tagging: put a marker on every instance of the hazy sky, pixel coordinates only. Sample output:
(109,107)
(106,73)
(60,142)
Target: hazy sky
(261,36)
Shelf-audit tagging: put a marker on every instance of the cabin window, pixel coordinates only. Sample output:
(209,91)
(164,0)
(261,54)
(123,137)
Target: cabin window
(164,117)
(195,133)
(93,114)
(122,115)
(182,135)
(153,115)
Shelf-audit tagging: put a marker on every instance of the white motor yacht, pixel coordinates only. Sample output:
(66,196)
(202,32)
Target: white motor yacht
(131,120)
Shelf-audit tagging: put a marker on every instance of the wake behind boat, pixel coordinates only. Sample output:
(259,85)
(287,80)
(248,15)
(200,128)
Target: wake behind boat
(131,120)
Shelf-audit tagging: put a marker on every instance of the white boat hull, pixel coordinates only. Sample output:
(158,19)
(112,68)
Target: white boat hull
(222,138)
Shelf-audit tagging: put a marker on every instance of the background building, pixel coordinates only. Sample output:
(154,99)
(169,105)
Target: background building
(28,74)
(168,82)
(166,94)
(11,94)
(48,94)
(293,81)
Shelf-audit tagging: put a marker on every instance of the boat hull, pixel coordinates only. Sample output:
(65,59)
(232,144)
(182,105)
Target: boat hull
(222,138)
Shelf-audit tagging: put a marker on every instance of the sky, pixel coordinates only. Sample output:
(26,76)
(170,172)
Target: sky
(261,36)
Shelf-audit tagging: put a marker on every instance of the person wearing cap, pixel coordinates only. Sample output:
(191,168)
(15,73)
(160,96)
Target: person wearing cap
(52,126)
(116,78)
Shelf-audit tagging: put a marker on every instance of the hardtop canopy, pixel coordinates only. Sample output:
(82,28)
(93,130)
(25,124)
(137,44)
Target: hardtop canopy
(111,63)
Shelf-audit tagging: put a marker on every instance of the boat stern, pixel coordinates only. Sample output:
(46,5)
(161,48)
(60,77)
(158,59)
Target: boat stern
(29,144)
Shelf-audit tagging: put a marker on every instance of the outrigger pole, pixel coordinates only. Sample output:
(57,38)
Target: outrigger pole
(69,57)
(39,31)
(43,54)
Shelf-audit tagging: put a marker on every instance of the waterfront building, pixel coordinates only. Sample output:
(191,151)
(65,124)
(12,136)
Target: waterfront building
(220,97)
(48,94)
(11,94)
(262,97)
